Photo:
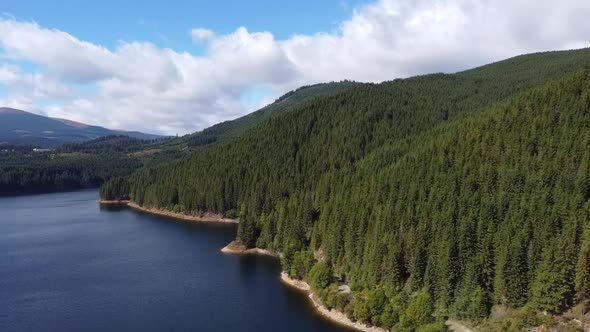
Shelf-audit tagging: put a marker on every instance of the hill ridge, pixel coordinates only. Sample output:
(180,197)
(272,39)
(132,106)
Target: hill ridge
(20,127)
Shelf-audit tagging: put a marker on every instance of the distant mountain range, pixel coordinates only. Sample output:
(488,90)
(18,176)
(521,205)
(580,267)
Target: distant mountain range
(23,128)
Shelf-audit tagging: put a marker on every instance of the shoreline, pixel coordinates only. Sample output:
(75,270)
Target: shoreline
(331,314)
(207,217)
(113,202)
(338,317)
(236,248)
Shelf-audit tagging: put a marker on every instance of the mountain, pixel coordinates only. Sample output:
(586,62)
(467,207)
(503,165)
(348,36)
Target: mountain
(24,128)
(433,196)
(230,129)
(89,163)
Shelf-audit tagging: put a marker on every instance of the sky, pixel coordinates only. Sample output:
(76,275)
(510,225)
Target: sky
(177,67)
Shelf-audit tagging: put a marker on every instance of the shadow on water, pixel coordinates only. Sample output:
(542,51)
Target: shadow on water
(112,207)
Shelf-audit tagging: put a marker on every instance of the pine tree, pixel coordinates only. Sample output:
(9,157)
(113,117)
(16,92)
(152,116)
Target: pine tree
(583,270)
(515,274)
(547,290)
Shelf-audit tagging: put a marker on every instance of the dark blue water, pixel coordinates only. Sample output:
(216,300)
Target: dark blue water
(68,265)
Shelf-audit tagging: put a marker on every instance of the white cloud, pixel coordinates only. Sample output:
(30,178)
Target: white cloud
(202,34)
(143,87)
(35,85)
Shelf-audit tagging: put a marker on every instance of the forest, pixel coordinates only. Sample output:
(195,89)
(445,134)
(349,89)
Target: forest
(74,166)
(443,195)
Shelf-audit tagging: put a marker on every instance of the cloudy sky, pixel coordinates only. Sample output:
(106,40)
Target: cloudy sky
(178,67)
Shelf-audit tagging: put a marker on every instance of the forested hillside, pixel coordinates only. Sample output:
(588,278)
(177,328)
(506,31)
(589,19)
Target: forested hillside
(35,172)
(433,196)
(227,130)
(76,165)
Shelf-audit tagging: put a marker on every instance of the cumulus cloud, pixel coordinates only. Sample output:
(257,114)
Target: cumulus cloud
(142,87)
(202,34)
(35,85)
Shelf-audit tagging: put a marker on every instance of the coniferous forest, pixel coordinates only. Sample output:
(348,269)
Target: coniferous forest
(76,165)
(444,195)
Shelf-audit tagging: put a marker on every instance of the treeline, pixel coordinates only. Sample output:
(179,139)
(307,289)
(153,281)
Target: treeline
(110,144)
(75,166)
(32,172)
(439,195)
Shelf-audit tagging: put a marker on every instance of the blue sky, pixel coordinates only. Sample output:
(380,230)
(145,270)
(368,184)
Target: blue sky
(168,23)
(180,66)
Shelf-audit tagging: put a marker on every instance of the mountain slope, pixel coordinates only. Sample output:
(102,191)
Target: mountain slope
(443,194)
(24,128)
(487,209)
(230,129)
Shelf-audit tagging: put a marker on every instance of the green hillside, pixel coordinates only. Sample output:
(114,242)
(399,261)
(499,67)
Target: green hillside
(433,196)
(230,129)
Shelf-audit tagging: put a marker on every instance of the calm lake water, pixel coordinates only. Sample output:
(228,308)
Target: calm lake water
(67,264)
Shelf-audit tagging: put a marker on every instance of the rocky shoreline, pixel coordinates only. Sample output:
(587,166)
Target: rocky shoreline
(206,217)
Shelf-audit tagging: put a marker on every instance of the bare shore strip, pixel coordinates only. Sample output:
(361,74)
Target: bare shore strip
(332,314)
(206,217)
(113,202)
(237,248)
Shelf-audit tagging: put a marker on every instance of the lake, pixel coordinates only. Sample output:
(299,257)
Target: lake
(67,264)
